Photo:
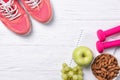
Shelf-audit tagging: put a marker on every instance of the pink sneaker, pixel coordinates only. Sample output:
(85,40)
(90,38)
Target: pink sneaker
(39,9)
(14,16)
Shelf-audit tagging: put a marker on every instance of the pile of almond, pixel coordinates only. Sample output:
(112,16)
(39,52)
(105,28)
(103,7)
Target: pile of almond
(105,67)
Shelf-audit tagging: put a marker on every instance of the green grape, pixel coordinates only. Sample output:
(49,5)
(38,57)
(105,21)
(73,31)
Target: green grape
(79,67)
(75,69)
(66,69)
(80,77)
(75,77)
(69,78)
(80,72)
(70,73)
(64,76)
(70,69)
(62,71)
(64,65)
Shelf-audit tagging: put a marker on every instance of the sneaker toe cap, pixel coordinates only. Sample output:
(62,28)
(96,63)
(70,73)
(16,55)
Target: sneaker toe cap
(21,26)
(43,14)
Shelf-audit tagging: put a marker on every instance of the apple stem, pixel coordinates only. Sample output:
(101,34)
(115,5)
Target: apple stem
(83,55)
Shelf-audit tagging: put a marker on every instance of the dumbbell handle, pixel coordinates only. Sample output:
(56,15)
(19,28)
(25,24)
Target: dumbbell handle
(112,31)
(111,44)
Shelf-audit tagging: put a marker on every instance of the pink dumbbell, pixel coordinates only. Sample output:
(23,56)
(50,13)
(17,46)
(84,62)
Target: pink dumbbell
(103,34)
(103,45)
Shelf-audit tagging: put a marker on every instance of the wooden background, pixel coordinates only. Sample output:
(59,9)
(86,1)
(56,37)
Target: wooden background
(39,55)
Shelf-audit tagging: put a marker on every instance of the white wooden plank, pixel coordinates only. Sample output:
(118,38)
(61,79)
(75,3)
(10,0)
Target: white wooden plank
(29,75)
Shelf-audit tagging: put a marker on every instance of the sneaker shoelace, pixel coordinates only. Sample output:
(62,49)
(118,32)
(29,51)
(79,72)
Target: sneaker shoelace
(33,3)
(9,10)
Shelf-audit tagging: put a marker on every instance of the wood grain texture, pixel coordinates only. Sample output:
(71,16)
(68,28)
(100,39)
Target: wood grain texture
(40,54)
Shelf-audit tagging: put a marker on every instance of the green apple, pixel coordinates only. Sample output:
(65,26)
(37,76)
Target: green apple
(82,56)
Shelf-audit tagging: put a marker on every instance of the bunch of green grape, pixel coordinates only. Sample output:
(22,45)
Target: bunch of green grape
(69,73)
